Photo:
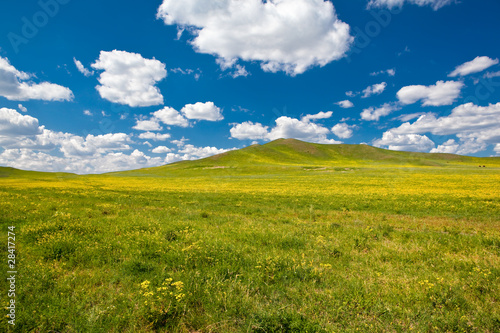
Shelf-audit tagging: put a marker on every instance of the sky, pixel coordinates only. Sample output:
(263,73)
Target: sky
(100,86)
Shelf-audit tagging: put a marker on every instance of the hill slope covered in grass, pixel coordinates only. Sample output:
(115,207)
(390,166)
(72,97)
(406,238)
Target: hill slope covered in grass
(294,154)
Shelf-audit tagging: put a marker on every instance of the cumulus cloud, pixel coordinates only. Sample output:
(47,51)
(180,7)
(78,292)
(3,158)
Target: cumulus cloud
(442,93)
(286,128)
(343,130)
(463,147)
(290,128)
(497,149)
(170,116)
(22,108)
(87,113)
(319,115)
(28,159)
(449,147)
(14,123)
(152,124)
(18,86)
(435,4)
(405,142)
(286,35)
(190,152)
(202,111)
(345,104)
(374,114)
(161,150)
(154,136)
(477,65)
(249,131)
(82,68)
(375,89)
(94,146)
(29,146)
(129,79)
(475,126)
(464,119)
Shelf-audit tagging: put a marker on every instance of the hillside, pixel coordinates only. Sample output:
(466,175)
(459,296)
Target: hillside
(295,154)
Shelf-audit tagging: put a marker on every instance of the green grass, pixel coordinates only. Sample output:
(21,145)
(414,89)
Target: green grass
(286,237)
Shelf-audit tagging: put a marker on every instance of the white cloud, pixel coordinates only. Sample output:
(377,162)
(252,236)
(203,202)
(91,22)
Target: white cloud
(82,68)
(491,75)
(319,115)
(286,35)
(477,65)
(249,131)
(32,147)
(408,117)
(345,104)
(374,114)
(191,152)
(286,128)
(442,93)
(375,89)
(351,93)
(497,149)
(12,123)
(475,126)
(28,159)
(463,148)
(180,143)
(152,124)
(154,136)
(170,116)
(404,142)
(449,147)
(435,4)
(390,72)
(239,71)
(202,111)
(343,130)
(87,113)
(129,79)
(22,108)
(481,121)
(14,87)
(161,150)
(94,146)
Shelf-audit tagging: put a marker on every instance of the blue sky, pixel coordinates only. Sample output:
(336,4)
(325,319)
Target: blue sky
(98,86)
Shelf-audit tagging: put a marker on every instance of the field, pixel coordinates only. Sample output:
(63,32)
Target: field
(286,237)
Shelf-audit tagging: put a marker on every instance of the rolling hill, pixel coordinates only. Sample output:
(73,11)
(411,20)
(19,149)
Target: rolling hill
(295,154)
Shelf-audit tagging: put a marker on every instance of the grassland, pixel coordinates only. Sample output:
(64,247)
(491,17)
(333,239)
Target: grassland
(285,237)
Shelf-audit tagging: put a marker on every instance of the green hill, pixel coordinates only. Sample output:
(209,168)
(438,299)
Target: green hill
(294,154)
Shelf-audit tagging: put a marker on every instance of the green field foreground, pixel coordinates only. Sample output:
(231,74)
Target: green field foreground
(285,237)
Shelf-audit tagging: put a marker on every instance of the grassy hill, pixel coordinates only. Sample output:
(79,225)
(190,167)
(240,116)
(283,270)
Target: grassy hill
(295,154)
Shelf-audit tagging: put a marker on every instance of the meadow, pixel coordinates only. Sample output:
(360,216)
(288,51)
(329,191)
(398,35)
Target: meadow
(242,243)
